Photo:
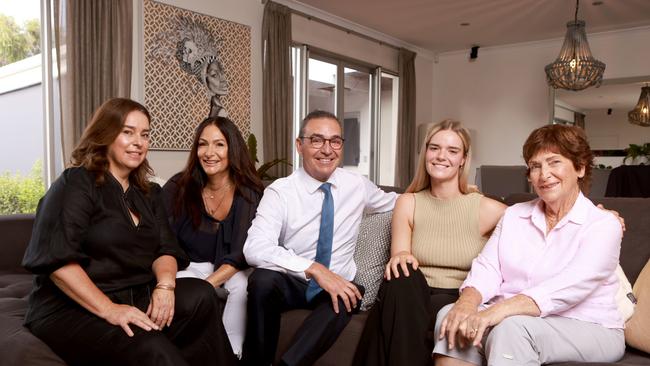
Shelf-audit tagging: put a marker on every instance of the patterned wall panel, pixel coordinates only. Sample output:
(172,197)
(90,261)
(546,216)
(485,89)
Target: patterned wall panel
(179,98)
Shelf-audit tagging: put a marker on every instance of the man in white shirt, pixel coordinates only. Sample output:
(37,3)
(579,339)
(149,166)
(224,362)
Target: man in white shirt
(285,244)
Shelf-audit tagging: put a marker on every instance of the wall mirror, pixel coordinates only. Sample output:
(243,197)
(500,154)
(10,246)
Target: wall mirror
(602,112)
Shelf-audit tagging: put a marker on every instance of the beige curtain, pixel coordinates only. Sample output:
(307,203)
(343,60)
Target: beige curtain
(276,87)
(93,47)
(406,122)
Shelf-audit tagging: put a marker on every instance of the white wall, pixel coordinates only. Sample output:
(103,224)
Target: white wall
(21,122)
(503,95)
(608,132)
(247,12)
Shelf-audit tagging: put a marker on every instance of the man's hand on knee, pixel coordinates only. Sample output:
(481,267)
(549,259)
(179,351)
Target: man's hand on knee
(335,285)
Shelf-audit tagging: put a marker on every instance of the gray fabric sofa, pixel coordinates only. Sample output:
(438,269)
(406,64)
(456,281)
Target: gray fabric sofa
(19,347)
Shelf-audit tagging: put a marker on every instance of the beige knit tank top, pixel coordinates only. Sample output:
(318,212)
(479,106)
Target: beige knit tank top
(446,237)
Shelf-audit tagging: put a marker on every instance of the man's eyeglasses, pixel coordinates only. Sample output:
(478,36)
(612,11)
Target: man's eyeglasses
(317,141)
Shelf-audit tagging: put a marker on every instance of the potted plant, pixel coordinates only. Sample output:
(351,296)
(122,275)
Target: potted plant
(262,170)
(638,154)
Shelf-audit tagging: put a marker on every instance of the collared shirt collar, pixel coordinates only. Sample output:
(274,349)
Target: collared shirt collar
(577,214)
(312,185)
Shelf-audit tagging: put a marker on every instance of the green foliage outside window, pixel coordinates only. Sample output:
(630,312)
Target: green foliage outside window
(18,42)
(20,194)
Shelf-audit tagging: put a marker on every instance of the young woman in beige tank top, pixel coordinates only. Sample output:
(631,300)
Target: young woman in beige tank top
(440,223)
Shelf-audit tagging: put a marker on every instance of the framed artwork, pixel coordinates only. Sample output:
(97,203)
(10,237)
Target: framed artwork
(196,66)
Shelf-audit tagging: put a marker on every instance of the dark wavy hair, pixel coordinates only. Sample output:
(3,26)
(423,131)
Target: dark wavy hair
(193,178)
(106,124)
(568,141)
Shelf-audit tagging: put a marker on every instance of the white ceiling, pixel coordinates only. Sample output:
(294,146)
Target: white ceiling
(616,96)
(435,24)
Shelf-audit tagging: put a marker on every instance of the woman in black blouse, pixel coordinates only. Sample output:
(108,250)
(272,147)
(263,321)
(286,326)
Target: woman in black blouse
(105,291)
(212,204)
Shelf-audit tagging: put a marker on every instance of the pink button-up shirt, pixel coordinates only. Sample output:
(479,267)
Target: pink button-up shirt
(568,272)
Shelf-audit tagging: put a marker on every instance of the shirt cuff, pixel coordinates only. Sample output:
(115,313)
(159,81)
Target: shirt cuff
(544,304)
(299,266)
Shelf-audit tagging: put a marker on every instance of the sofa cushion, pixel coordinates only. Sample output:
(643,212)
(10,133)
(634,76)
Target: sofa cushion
(637,329)
(20,347)
(14,290)
(624,295)
(372,254)
(17,345)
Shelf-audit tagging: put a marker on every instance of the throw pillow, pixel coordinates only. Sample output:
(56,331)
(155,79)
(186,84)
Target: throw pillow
(372,254)
(624,295)
(637,329)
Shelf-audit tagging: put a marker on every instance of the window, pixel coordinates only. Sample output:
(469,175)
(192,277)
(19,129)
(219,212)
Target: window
(362,96)
(21,108)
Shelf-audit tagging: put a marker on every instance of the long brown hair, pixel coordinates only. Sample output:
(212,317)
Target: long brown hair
(240,168)
(106,124)
(422,180)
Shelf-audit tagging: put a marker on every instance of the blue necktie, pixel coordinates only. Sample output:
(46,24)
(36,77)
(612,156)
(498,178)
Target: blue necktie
(325,235)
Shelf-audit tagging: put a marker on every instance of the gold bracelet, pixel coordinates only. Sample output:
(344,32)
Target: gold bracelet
(164,286)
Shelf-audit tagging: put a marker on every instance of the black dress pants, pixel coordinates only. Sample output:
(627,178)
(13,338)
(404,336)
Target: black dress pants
(196,335)
(270,293)
(400,326)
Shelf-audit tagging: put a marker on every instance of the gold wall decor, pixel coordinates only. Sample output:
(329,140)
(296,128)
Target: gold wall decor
(195,65)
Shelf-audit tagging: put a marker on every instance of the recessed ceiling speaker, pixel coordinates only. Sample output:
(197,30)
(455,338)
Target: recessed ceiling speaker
(473,55)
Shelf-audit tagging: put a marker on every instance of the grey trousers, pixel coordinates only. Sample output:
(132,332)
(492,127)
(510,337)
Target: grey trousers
(527,340)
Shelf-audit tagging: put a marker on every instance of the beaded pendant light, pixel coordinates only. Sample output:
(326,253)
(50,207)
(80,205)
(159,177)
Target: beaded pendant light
(575,68)
(640,115)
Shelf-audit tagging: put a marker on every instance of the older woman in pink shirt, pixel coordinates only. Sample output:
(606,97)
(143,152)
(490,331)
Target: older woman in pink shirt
(542,290)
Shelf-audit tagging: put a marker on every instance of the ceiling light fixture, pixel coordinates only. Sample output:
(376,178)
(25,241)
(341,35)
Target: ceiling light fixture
(640,115)
(575,68)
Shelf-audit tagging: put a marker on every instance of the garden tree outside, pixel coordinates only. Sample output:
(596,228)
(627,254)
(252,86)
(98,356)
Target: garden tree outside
(18,42)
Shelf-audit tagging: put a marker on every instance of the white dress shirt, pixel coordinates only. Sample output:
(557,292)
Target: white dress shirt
(284,234)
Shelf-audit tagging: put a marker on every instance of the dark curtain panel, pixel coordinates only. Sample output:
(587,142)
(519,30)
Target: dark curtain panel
(579,119)
(406,123)
(94,40)
(276,93)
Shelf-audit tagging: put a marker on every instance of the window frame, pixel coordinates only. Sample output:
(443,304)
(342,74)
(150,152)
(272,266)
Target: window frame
(301,53)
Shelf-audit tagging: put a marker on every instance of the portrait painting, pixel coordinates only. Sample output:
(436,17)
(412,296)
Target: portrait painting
(196,66)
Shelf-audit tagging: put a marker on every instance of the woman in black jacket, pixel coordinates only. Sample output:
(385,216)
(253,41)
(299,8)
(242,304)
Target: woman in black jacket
(212,203)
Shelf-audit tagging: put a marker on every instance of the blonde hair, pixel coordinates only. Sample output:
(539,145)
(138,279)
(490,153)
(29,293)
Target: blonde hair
(422,180)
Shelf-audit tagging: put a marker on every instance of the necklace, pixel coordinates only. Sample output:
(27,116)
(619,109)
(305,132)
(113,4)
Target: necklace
(551,221)
(212,211)
(213,192)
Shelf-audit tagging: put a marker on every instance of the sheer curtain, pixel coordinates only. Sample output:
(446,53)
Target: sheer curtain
(88,60)
(276,87)
(406,122)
